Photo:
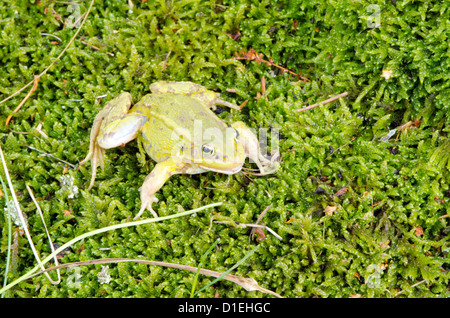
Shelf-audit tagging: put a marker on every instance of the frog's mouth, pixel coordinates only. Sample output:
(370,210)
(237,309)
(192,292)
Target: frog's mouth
(232,170)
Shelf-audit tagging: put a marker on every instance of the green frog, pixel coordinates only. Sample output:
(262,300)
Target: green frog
(178,129)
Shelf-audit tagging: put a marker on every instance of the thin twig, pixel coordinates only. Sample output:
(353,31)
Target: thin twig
(412,286)
(37,77)
(260,217)
(52,247)
(248,284)
(22,218)
(35,84)
(50,155)
(252,55)
(251,225)
(165,61)
(54,36)
(329,100)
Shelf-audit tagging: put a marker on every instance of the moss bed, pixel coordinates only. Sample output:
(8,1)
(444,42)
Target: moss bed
(358,217)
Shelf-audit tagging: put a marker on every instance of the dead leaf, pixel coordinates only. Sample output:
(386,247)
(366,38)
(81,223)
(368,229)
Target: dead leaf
(291,219)
(330,209)
(260,234)
(419,230)
(386,74)
(243,104)
(341,192)
(439,200)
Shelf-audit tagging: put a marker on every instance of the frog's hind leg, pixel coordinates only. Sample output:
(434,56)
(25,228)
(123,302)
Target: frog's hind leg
(208,97)
(113,126)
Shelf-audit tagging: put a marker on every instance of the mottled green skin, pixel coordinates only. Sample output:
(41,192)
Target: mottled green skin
(182,111)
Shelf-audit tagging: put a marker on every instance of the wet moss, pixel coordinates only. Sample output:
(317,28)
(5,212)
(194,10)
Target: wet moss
(389,234)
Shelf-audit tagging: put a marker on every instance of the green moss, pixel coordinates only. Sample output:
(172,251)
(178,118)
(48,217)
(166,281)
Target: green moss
(371,245)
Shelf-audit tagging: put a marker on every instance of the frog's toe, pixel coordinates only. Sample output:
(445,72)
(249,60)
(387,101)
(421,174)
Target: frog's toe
(94,173)
(96,156)
(88,157)
(276,158)
(271,165)
(222,102)
(147,203)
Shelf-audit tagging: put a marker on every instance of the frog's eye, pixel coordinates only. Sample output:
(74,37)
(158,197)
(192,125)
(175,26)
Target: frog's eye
(207,150)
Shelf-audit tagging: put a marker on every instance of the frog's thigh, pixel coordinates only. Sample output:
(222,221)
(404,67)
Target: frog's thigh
(120,131)
(199,92)
(184,88)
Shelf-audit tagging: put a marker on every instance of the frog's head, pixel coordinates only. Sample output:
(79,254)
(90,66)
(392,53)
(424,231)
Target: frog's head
(216,150)
(221,151)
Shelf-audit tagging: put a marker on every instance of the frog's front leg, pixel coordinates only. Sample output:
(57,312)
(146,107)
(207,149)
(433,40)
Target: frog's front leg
(156,179)
(113,126)
(252,150)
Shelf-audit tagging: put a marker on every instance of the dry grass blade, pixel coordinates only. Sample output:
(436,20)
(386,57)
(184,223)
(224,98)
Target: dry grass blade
(412,286)
(260,217)
(329,100)
(21,217)
(46,230)
(35,84)
(242,225)
(95,232)
(253,55)
(248,284)
(37,77)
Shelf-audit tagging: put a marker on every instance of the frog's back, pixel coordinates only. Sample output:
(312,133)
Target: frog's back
(166,112)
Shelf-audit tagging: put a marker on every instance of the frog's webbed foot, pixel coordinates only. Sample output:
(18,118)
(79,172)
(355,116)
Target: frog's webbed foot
(112,127)
(253,151)
(208,97)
